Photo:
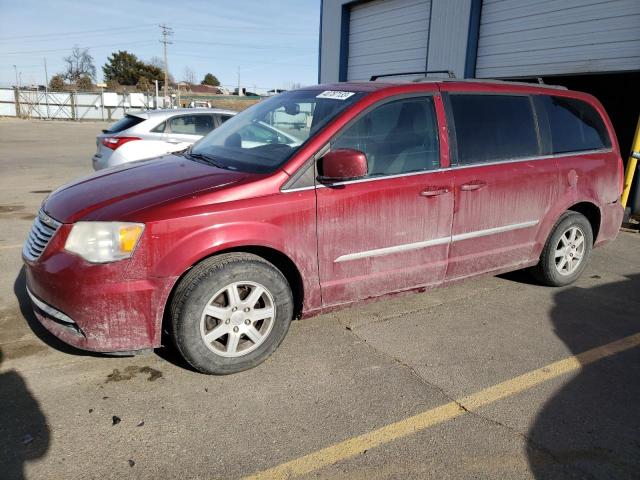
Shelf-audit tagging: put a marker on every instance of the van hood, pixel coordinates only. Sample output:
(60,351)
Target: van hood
(114,193)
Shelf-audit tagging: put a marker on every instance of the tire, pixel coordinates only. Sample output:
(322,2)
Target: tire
(221,341)
(556,271)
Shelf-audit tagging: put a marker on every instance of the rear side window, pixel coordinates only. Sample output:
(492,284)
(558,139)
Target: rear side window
(124,123)
(493,128)
(575,125)
(192,124)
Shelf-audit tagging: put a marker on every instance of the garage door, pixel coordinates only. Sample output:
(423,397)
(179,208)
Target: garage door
(520,38)
(387,36)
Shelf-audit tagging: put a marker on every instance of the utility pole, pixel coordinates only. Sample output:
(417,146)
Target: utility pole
(46,86)
(166,33)
(46,75)
(239,90)
(16,70)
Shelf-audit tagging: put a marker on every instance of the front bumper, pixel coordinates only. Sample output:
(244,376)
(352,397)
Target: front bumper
(98,162)
(96,307)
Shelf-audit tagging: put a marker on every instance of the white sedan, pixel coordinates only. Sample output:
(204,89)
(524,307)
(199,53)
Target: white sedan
(143,135)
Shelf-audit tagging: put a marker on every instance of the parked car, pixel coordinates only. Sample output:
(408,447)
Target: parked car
(149,134)
(275,91)
(199,104)
(391,188)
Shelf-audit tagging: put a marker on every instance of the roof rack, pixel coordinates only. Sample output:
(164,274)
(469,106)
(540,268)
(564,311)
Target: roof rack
(427,72)
(508,82)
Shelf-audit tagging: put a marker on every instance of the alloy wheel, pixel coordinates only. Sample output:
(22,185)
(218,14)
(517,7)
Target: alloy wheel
(569,251)
(237,319)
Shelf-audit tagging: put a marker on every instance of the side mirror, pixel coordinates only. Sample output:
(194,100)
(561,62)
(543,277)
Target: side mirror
(341,165)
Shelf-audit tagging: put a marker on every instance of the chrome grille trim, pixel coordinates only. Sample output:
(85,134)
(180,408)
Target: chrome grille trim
(48,309)
(42,231)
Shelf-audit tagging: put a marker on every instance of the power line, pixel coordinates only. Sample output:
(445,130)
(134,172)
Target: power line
(206,57)
(253,47)
(22,67)
(123,35)
(51,35)
(244,30)
(68,49)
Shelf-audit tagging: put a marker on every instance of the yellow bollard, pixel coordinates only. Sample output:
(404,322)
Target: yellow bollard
(631,167)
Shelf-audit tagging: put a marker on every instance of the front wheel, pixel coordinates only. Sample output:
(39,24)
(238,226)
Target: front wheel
(230,312)
(567,251)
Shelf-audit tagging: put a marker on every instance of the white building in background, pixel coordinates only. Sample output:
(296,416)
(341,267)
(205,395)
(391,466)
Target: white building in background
(476,38)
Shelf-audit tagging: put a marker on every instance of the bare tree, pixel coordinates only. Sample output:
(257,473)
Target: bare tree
(79,64)
(189,76)
(157,62)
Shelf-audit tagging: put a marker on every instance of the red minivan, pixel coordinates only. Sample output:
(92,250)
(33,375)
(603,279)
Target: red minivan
(376,188)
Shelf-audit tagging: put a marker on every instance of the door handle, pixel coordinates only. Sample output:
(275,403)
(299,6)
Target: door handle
(174,141)
(434,193)
(474,185)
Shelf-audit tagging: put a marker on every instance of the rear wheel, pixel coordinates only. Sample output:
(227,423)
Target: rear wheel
(567,251)
(230,312)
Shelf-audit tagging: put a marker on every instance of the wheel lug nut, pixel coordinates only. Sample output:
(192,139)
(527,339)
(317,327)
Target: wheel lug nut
(235,329)
(247,321)
(227,321)
(234,309)
(246,310)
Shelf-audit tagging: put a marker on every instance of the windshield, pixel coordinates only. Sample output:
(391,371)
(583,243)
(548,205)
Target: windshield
(263,137)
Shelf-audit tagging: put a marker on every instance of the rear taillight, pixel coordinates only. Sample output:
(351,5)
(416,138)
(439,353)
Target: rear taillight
(115,142)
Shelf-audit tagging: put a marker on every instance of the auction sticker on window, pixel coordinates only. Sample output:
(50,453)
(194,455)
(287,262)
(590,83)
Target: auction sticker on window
(335,94)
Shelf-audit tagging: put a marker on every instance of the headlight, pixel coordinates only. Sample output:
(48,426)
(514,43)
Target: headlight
(101,242)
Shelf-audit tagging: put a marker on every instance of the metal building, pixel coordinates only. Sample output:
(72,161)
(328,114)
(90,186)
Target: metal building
(587,45)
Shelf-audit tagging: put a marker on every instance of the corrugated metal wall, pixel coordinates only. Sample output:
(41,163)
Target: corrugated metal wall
(448,38)
(544,37)
(387,37)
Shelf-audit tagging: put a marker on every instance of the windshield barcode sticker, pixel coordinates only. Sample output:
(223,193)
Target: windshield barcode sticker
(335,94)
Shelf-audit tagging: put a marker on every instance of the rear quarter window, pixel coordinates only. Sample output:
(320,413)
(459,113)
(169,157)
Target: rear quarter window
(160,128)
(493,128)
(125,123)
(575,126)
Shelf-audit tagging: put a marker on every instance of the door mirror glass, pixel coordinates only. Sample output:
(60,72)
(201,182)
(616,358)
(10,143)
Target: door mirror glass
(341,165)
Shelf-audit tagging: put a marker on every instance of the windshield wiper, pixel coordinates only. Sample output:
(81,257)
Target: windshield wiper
(204,158)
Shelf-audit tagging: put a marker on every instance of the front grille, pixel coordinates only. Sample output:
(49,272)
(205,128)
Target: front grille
(42,231)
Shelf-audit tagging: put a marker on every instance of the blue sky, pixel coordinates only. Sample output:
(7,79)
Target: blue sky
(273,42)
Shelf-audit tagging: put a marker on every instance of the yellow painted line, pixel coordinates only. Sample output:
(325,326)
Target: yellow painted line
(7,247)
(355,446)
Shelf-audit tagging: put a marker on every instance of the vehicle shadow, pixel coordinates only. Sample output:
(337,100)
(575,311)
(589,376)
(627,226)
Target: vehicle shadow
(591,426)
(24,433)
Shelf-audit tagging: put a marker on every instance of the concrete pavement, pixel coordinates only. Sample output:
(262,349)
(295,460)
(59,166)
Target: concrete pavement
(335,377)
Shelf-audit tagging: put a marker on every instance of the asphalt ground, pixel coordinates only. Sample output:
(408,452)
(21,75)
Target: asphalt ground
(484,379)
